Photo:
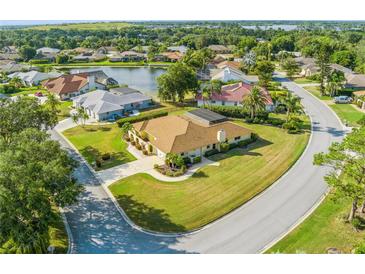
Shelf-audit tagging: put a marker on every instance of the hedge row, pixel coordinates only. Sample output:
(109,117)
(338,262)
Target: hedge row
(141,117)
(234,112)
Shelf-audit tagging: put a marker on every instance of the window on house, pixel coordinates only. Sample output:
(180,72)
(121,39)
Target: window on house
(237,138)
(214,146)
(213,102)
(208,146)
(182,154)
(223,103)
(235,103)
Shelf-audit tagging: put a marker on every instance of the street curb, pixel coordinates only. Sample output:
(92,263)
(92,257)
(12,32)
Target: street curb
(70,238)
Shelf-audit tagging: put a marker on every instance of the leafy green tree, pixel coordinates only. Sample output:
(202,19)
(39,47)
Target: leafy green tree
(25,112)
(254,102)
(344,58)
(210,87)
(249,61)
(177,82)
(53,103)
(16,81)
(174,160)
(198,59)
(284,42)
(291,67)
(27,52)
(335,81)
(264,70)
(347,161)
(62,59)
(35,175)
(292,104)
(126,127)
(263,51)
(323,54)
(246,44)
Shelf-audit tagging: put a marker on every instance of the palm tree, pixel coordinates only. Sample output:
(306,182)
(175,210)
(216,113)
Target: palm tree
(126,127)
(82,115)
(249,60)
(52,102)
(255,101)
(75,118)
(335,82)
(292,104)
(208,89)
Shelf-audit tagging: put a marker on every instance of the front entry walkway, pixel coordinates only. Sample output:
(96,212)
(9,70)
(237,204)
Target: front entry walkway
(145,165)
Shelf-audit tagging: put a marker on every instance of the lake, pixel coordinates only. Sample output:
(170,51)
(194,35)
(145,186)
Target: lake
(141,78)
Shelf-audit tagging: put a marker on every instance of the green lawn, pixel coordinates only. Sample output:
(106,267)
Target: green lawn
(84,26)
(304,81)
(212,191)
(94,141)
(347,113)
(28,91)
(325,228)
(58,235)
(64,110)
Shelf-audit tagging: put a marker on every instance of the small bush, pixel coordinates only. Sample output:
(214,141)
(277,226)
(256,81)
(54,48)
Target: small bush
(105,157)
(150,148)
(224,147)
(356,223)
(211,152)
(145,152)
(144,136)
(156,166)
(98,163)
(141,117)
(254,137)
(187,160)
(138,146)
(127,138)
(133,143)
(233,145)
(197,159)
(360,249)
(361,122)
(293,126)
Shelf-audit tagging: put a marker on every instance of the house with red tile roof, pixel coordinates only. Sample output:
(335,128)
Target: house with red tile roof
(233,95)
(69,86)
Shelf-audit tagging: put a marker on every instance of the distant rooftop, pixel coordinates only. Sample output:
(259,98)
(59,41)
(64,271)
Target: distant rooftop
(205,116)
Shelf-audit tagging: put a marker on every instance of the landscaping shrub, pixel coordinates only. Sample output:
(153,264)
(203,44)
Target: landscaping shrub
(224,147)
(187,160)
(127,138)
(293,126)
(254,137)
(150,148)
(133,143)
(155,166)
(39,61)
(361,122)
(211,152)
(98,163)
(8,89)
(144,136)
(360,249)
(105,157)
(233,145)
(138,146)
(145,152)
(141,117)
(197,159)
(234,112)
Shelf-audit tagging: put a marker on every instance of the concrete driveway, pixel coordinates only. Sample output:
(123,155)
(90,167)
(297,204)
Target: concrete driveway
(97,227)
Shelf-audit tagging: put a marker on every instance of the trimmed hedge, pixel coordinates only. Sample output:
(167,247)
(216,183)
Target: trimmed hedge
(224,147)
(197,159)
(211,152)
(141,117)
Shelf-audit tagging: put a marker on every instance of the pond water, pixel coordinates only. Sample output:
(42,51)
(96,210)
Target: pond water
(141,78)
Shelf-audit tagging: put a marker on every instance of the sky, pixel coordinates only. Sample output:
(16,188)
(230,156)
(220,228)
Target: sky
(127,10)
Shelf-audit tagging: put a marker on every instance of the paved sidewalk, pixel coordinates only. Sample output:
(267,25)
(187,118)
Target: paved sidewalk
(145,165)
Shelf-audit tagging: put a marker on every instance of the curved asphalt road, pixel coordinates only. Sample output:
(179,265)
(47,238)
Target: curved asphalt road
(97,227)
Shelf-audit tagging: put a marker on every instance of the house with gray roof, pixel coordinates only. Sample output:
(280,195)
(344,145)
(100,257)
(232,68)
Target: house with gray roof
(33,77)
(104,105)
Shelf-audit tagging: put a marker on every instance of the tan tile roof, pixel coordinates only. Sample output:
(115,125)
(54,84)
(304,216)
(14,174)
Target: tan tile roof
(175,55)
(181,134)
(359,93)
(66,83)
(232,64)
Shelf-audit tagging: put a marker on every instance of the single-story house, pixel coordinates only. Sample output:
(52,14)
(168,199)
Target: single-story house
(231,64)
(359,98)
(124,90)
(89,57)
(69,86)
(104,105)
(102,78)
(233,95)
(34,78)
(130,55)
(107,50)
(117,57)
(172,56)
(189,135)
(13,66)
(228,73)
(10,56)
(219,49)
(46,50)
(181,49)
(355,81)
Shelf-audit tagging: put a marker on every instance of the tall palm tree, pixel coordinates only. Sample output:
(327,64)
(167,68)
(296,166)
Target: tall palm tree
(292,104)
(335,81)
(52,102)
(249,60)
(209,88)
(255,101)
(126,127)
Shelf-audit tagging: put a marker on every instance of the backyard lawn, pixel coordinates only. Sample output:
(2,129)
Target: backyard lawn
(325,228)
(304,81)
(64,110)
(94,141)
(212,191)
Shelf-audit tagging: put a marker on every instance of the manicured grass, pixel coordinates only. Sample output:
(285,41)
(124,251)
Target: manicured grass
(64,110)
(28,91)
(94,141)
(58,235)
(315,91)
(84,26)
(348,114)
(212,191)
(304,81)
(325,228)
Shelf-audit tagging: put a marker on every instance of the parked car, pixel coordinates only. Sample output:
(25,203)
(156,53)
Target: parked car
(342,99)
(38,94)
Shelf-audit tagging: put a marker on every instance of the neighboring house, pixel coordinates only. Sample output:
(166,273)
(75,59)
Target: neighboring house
(117,57)
(104,105)
(189,135)
(69,86)
(107,50)
(10,56)
(130,55)
(89,57)
(355,81)
(343,69)
(219,49)
(102,78)
(231,64)
(233,95)
(359,98)
(181,49)
(46,50)
(9,49)
(171,56)
(13,66)
(309,70)
(227,74)
(124,90)
(34,78)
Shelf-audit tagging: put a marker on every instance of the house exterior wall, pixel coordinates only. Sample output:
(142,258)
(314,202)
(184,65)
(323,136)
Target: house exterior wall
(108,115)
(139,105)
(268,108)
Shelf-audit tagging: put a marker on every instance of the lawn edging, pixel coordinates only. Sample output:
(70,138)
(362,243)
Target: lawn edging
(70,238)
